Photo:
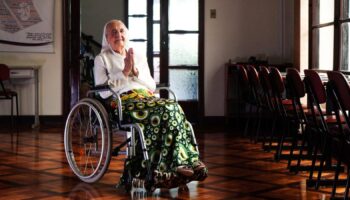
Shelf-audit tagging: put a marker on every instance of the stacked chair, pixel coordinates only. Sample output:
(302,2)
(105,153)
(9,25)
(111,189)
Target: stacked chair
(318,129)
(295,91)
(266,89)
(339,92)
(283,108)
(260,103)
(250,96)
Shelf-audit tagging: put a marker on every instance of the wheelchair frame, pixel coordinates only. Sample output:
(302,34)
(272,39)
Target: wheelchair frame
(90,153)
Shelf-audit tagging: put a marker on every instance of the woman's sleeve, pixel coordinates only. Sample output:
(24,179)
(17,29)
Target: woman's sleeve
(144,74)
(101,75)
(100,71)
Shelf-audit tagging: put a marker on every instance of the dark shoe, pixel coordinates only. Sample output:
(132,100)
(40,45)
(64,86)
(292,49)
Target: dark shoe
(198,166)
(184,170)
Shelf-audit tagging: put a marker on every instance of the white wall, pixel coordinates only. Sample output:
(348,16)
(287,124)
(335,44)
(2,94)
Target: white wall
(50,75)
(243,28)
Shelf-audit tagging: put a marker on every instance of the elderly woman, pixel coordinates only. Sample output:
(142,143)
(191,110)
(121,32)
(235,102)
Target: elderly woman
(174,158)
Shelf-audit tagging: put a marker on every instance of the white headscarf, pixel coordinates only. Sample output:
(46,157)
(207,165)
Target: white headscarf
(105,44)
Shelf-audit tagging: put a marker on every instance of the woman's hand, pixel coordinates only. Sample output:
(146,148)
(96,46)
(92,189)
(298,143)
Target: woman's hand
(130,68)
(129,62)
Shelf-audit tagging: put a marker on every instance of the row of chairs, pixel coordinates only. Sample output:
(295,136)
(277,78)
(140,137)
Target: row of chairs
(308,113)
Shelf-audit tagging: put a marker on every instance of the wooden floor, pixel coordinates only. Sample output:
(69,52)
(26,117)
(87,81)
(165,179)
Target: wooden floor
(33,166)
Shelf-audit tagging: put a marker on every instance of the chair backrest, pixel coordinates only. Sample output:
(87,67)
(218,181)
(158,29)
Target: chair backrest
(254,83)
(278,89)
(276,81)
(316,96)
(339,93)
(264,79)
(341,88)
(253,76)
(295,86)
(244,84)
(4,72)
(243,76)
(314,81)
(295,90)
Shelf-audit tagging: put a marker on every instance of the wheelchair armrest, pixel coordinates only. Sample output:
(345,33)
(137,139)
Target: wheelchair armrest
(164,86)
(106,87)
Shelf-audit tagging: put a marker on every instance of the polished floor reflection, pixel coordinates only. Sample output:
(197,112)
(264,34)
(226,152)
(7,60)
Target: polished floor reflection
(33,166)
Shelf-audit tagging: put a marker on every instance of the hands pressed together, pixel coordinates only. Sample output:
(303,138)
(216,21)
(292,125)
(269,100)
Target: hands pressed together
(130,69)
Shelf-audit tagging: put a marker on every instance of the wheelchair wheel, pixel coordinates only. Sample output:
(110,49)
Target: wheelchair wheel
(87,140)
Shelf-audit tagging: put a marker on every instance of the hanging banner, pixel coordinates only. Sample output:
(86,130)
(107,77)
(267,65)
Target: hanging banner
(27,25)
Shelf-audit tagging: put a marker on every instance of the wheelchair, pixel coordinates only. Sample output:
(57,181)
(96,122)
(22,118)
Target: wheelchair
(88,138)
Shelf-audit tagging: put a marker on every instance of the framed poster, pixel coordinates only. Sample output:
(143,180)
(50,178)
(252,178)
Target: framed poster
(27,25)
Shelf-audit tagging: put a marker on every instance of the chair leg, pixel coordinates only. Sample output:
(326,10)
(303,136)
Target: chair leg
(319,174)
(17,115)
(248,121)
(346,192)
(12,123)
(336,177)
(313,162)
(301,149)
(257,133)
(294,143)
(272,132)
(285,133)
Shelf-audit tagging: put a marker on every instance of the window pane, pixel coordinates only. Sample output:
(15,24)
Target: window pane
(323,11)
(184,83)
(323,48)
(156,37)
(137,28)
(140,47)
(137,7)
(183,49)
(345,9)
(183,15)
(345,54)
(156,10)
(156,69)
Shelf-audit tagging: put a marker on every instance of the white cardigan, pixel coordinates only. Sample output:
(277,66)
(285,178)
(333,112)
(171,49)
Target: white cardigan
(108,69)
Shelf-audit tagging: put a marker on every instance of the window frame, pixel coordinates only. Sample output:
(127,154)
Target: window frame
(337,23)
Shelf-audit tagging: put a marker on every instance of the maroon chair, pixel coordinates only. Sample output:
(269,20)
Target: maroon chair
(7,94)
(339,91)
(264,76)
(295,90)
(261,105)
(283,107)
(245,95)
(320,131)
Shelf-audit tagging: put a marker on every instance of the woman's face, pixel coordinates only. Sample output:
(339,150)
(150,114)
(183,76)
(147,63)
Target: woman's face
(116,36)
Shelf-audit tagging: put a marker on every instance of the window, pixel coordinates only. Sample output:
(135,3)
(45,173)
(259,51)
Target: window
(345,36)
(330,35)
(179,35)
(322,34)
